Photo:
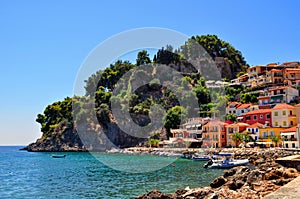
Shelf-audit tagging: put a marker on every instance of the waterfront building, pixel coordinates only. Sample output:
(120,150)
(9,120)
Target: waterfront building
(232,129)
(290,137)
(266,134)
(284,115)
(253,130)
(214,134)
(263,116)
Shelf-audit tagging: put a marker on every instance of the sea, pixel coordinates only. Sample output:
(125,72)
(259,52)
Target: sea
(84,175)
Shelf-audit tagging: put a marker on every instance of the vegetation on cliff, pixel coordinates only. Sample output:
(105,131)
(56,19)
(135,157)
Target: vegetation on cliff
(58,117)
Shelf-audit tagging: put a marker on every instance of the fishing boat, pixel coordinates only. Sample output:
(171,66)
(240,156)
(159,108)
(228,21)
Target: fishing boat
(225,163)
(59,156)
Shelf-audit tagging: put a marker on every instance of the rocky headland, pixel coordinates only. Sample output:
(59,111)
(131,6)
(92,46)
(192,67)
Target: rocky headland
(259,178)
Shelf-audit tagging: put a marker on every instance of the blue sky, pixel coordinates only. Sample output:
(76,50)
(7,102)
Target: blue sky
(43,43)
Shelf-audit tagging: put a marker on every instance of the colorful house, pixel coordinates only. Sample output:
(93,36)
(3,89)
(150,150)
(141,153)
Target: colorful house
(214,134)
(242,109)
(189,133)
(290,137)
(232,129)
(266,133)
(291,75)
(253,130)
(231,107)
(284,115)
(263,116)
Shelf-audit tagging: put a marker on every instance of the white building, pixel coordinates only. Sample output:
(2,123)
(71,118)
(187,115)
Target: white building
(290,137)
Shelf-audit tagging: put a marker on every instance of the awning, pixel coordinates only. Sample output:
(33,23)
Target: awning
(198,125)
(264,142)
(188,126)
(291,133)
(276,97)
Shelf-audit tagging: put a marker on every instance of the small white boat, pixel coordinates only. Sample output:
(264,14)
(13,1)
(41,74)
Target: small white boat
(225,162)
(59,156)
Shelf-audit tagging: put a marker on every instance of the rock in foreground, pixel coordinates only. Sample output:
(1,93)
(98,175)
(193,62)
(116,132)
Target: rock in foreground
(256,180)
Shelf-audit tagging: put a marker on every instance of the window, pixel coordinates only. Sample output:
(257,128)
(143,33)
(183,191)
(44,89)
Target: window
(276,113)
(265,134)
(261,116)
(292,123)
(234,111)
(284,123)
(293,145)
(256,130)
(248,117)
(276,123)
(268,116)
(272,133)
(222,136)
(291,112)
(242,111)
(229,112)
(283,112)
(254,117)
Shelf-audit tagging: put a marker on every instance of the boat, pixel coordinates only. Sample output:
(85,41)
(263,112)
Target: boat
(59,156)
(200,156)
(187,155)
(225,163)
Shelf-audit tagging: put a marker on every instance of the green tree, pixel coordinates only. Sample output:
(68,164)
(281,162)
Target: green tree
(143,58)
(249,97)
(216,47)
(174,117)
(237,138)
(275,140)
(231,117)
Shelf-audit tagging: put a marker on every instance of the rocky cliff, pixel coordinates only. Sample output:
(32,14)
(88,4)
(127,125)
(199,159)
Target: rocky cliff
(85,138)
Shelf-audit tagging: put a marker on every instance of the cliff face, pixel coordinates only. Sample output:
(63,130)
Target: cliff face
(85,138)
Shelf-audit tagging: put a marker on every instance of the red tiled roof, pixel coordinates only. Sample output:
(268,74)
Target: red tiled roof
(279,88)
(275,70)
(282,106)
(292,129)
(238,124)
(259,111)
(244,106)
(297,105)
(255,125)
(216,122)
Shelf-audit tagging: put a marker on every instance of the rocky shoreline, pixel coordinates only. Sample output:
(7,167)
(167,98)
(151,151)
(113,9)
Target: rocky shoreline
(261,177)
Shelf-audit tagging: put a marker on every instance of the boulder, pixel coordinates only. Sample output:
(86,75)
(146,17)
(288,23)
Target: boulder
(290,173)
(155,194)
(218,182)
(234,185)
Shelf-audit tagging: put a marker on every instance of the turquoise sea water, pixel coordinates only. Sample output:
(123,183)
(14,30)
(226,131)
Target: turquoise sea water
(81,175)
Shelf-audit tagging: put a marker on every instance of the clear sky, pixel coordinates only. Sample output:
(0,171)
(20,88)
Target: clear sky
(43,43)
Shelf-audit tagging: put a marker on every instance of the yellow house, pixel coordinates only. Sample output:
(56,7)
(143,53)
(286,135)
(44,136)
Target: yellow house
(284,115)
(266,133)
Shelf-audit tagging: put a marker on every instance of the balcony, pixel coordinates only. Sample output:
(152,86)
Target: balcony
(289,139)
